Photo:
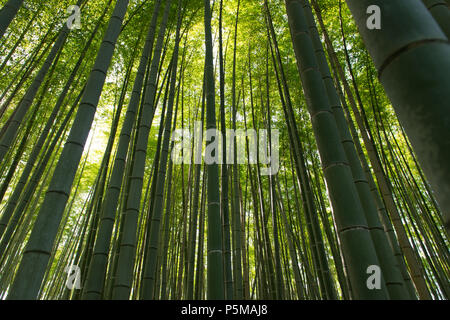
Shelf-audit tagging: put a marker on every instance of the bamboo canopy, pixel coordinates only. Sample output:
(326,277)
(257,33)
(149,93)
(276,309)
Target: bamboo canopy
(225,149)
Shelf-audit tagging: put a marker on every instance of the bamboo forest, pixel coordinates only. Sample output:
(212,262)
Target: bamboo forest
(224,150)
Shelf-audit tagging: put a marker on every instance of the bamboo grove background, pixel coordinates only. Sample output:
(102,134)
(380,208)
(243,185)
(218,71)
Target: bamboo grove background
(85,152)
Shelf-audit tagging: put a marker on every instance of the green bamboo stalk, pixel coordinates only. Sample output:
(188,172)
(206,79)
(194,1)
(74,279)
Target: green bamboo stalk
(14,198)
(224,170)
(95,277)
(237,256)
(391,273)
(195,205)
(150,265)
(441,13)
(27,68)
(299,285)
(34,181)
(7,14)
(215,276)
(349,215)
(416,82)
(35,258)
(121,289)
(416,273)
(11,131)
(318,250)
(22,35)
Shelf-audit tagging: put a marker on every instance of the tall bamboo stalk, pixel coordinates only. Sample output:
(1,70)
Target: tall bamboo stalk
(7,14)
(35,258)
(215,276)
(149,275)
(413,68)
(349,215)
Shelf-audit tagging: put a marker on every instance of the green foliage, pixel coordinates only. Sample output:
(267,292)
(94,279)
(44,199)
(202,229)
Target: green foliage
(26,44)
